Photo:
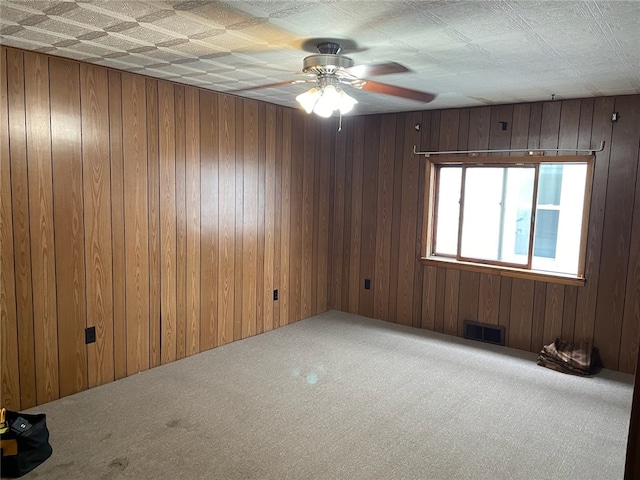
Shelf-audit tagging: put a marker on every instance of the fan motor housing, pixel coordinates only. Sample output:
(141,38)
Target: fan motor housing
(325,64)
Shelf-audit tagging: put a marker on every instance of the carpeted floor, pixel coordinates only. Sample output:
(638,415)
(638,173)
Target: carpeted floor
(339,396)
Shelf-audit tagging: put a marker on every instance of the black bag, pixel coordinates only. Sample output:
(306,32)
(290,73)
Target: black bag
(25,442)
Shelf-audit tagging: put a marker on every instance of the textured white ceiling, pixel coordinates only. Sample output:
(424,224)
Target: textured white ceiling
(468,53)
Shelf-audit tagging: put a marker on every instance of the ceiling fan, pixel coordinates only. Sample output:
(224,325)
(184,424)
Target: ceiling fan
(330,70)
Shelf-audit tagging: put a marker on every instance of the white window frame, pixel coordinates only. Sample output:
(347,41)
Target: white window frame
(428,255)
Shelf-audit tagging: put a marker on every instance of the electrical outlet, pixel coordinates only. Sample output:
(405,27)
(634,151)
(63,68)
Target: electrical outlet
(367,284)
(89,335)
(275,295)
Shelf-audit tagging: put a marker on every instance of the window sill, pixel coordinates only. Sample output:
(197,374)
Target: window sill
(445,262)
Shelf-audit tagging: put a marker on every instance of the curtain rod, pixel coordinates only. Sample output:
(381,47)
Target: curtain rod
(530,151)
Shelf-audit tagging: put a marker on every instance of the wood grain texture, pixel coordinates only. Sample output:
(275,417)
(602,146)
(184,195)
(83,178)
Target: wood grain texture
(38,124)
(468,299)
(357,170)
(554,308)
(308,162)
(96,167)
(617,232)
(260,260)
(338,217)
(324,195)
(181,223)
(451,299)
(429,298)
(408,227)
(192,172)
(295,227)
(153,178)
(382,257)
(369,217)
(489,299)
(168,222)
(631,314)
(270,208)
(10,371)
(21,228)
(66,160)
(537,317)
(250,219)
(239,223)
(136,223)
(394,254)
(285,218)
(520,313)
(116,148)
(599,128)
(216,133)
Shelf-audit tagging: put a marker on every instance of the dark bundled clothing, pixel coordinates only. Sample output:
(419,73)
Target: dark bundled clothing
(575,358)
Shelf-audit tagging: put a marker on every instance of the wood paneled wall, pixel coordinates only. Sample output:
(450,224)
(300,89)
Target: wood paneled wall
(162,215)
(165,216)
(377,204)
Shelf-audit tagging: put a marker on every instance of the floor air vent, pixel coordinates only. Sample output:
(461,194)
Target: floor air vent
(484,332)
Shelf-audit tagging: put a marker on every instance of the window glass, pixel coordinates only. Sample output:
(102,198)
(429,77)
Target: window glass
(448,210)
(501,203)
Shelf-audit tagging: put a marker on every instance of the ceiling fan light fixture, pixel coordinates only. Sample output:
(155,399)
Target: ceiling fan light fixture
(308,99)
(325,100)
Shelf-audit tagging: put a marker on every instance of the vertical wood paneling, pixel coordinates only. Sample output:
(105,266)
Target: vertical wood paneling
(153,159)
(429,298)
(369,216)
(136,223)
(537,318)
(382,255)
(270,208)
(321,291)
(451,299)
(168,222)
(600,129)
(285,218)
(408,227)
(227,220)
(38,124)
(307,217)
(468,299)
(239,212)
(94,89)
(338,216)
(616,237)
(348,182)
(394,254)
(214,136)
(250,219)
(66,159)
(554,307)
(277,224)
(489,299)
(10,386)
(295,227)
(630,329)
(116,149)
(260,260)
(21,228)
(356,215)
(520,313)
(569,313)
(192,172)
(181,224)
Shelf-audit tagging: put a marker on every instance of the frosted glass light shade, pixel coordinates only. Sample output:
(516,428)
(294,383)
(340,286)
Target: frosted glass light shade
(323,102)
(307,100)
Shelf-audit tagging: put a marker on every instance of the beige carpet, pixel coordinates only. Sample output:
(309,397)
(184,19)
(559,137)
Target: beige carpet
(338,396)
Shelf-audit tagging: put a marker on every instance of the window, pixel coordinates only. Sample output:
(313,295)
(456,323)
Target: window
(519,214)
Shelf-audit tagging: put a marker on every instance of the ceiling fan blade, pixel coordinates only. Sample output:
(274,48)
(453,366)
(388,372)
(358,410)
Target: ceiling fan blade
(376,69)
(271,85)
(385,89)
